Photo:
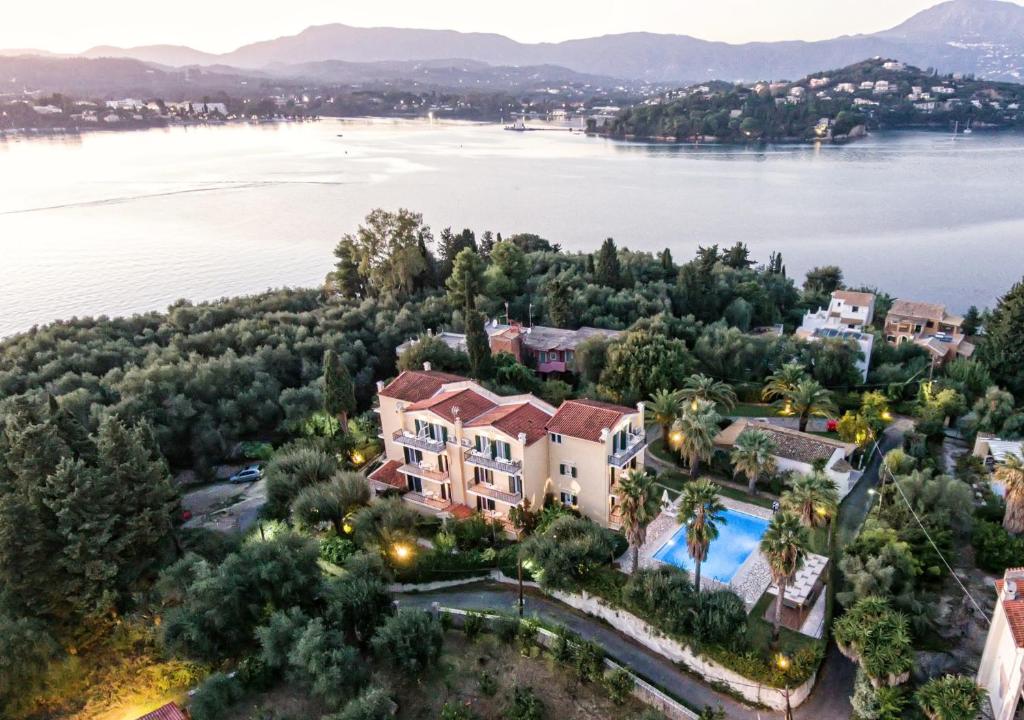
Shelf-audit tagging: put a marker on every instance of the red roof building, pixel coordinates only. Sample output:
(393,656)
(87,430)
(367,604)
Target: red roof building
(170,711)
(585,419)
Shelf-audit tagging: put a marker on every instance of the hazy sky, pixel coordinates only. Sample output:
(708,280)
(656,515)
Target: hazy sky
(221,25)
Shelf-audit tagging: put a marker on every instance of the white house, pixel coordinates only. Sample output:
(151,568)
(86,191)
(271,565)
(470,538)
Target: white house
(845,318)
(1000,671)
(797,451)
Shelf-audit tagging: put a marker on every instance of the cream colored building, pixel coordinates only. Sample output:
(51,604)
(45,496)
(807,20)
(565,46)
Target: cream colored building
(452,447)
(1001,671)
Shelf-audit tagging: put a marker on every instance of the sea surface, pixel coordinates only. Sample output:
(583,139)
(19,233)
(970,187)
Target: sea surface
(123,222)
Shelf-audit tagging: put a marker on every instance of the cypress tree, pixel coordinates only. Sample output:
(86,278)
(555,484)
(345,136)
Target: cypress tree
(478,345)
(606,267)
(1001,350)
(339,392)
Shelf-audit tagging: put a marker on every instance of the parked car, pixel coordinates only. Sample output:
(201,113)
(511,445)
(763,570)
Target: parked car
(249,474)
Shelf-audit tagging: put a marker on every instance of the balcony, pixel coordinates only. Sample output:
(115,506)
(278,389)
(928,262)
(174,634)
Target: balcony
(489,491)
(420,442)
(510,467)
(615,517)
(503,519)
(636,443)
(427,473)
(428,500)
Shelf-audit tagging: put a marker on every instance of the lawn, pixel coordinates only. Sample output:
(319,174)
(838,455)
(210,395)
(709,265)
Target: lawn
(759,631)
(478,675)
(675,481)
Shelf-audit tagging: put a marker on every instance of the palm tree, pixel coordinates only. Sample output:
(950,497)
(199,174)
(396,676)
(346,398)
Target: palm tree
(700,510)
(697,427)
(753,455)
(813,498)
(952,697)
(809,398)
(665,406)
(701,387)
(1011,474)
(783,380)
(640,506)
(783,546)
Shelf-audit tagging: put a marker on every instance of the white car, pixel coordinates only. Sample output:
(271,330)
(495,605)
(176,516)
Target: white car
(250,474)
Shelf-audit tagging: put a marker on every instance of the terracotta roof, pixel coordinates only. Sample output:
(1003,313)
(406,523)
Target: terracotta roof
(387,474)
(514,419)
(170,711)
(854,298)
(929,311)
(585,419)
(465,403)
(1014,609)
(414,385)
(789,444)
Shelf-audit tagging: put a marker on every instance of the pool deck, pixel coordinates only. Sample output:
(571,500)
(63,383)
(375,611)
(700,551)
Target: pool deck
(751,578)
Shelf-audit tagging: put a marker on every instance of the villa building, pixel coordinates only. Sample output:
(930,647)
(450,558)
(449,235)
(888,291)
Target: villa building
(546,349)
(1001,671)
(452,447)
(846,317)
(797,451)
(930,326)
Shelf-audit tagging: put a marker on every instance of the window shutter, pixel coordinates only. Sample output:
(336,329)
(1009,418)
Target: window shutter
(478,443)
(574,471)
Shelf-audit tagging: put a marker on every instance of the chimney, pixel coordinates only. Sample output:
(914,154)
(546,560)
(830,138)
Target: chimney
(380,385)
(426,366)
(522,438)
(604,434)
(1010,590)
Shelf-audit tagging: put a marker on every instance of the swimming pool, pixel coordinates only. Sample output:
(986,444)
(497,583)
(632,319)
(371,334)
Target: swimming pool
(737,538)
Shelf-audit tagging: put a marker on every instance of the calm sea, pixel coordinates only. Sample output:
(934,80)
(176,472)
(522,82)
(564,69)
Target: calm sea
(118,223)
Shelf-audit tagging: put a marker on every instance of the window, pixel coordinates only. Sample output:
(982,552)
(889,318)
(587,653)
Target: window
(414,483)
(413,456)
(439,432)
(567,469)
(501,450)
(515,485)
(483,475)
(856,309)
(556,438)
(543,356)
(569,499)
(483,503)
(482,444)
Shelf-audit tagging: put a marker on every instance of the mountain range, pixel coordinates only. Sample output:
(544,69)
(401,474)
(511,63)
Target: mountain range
(983,37)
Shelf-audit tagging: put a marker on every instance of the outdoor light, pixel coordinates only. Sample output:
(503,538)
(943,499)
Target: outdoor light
(887,416)
(676,437)
(782,661)
(402,551)
(357,458)
(347,528)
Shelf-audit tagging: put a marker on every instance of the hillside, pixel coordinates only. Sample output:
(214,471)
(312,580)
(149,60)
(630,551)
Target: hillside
(983,37)
(829,105)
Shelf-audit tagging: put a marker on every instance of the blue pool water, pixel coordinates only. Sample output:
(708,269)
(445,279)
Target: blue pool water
(738,536)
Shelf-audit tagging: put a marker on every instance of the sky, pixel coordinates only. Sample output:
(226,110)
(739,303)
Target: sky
(223,25)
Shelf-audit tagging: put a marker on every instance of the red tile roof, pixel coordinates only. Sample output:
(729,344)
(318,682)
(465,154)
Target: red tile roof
(170,711)
(585,419)
(470,404)
(387,474)
(1014,609)
(514,419)
(415,385)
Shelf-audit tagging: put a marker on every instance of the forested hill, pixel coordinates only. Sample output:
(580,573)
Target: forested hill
(829,104)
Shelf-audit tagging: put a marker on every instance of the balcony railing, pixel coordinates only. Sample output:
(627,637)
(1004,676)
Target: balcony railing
(428,500)
(420,442)
(636,443)
(511,467)
(485,490)
(427,473)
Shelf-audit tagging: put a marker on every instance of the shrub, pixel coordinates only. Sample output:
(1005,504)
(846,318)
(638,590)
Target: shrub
(506,629)
(473,625)
(411,640)
(524,705)
(619,685)
(278,636)
(588,660)
(487,683)
(336,549)
(995,549)
(372,704)
(528,631)
(951,696)
(568,551)
(213,698)
(333,670)
(454,711)
(721,619)
(565,640)
(255,674)
(357,604)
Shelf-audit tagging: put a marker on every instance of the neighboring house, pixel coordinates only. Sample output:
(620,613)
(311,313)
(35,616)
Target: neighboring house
(847,315)
(453,447)
(930,326)
(798,451)
(994,451)
(546,349)
(170,711)
(1000,671)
